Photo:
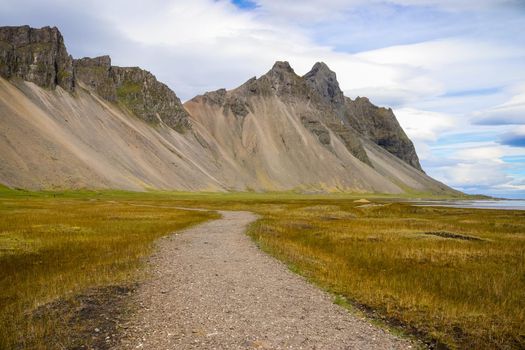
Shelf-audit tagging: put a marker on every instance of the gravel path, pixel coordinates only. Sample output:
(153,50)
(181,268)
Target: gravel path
(212,288)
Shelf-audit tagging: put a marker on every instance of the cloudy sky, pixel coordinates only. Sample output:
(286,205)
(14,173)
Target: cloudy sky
(452,70)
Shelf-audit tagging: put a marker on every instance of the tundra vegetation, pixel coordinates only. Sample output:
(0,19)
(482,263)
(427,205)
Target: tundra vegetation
(58,247)
(454,277)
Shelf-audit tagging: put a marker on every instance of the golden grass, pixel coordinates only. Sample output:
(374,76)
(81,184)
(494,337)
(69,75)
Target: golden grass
(397,260)
(53,248)
(461,293)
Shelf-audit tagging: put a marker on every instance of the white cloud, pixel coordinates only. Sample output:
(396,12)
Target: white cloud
(488,150)
(457,64)
(437,54)
(423,127)
(459,5)
(481,153)
(477,167)
(477,175)
(313,10)
(199,22)
(510,112)
(329,10)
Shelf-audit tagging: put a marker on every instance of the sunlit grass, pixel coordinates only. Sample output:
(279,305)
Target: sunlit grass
(394,259)
(462,293)
(54,248)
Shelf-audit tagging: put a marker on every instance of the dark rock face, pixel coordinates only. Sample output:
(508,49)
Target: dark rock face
(36,55)
(323,81)
(217,97)
(318,129)
(318,91)
(96,74)
(281,81)
(149,99)
(361,117)
(136,89)
(235,104)
(40,56)
(381,126)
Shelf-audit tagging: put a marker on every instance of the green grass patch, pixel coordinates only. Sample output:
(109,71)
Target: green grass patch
(128,88)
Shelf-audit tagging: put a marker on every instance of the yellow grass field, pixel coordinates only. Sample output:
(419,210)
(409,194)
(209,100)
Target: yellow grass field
(56,248)
(453,277)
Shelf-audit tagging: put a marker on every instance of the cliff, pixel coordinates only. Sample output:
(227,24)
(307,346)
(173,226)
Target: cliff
(135,89)
(36,55)
(40,56)
(374,123)
(85,123)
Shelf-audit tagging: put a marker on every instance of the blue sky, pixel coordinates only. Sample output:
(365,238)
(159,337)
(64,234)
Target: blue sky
(452,70)
(245,4)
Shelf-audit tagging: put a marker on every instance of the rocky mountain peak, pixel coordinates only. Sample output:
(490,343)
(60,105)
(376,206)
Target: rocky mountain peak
(281,67)
(135,89)
(321,66)
(324,81)
(282,81)
(36,55)
(380,125)
(281,73)
(40,56)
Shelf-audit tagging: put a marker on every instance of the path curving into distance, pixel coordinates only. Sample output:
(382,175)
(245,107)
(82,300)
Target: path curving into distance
(210,287)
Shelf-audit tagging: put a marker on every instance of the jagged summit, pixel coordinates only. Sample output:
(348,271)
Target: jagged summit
(280,73)
(40,56)
(281,80)
(350,120)
(136,89)
(281,67)
(324,81)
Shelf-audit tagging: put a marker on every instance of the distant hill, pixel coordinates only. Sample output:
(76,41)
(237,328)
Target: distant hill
(67,123)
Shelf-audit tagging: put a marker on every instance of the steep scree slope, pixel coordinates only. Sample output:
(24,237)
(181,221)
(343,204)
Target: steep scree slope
(84,123)
(284,131)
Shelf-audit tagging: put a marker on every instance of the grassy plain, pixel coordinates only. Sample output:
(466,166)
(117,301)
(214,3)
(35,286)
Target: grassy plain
(453,276)
(56,247)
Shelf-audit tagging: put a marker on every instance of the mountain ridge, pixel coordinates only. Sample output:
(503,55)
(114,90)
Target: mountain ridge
(280,131)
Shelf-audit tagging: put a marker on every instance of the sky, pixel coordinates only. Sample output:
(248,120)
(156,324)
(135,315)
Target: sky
(453,71)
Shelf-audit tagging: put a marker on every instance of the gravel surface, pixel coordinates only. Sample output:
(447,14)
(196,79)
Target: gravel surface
(212,288)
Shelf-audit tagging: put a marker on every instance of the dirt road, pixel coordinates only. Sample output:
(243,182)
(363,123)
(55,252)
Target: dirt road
(212,288)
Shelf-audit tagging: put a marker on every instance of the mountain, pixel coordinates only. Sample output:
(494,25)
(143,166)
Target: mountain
(376,124)
(83,123)
(284,131)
